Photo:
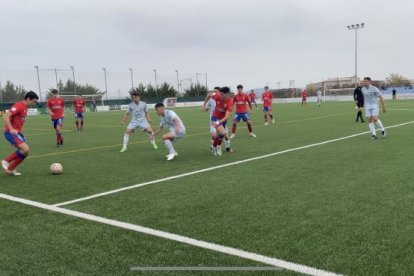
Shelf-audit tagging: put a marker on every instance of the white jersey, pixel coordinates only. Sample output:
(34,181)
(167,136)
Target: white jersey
(211,105)
(319,94)
(168,121)
(371,96)
(138,111)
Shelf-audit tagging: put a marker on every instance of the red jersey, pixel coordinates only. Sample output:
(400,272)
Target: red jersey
(241,101)
(252,96)
(267,99)
(304,94)
(18,116)
(57,106)
(221,106)
(79,104)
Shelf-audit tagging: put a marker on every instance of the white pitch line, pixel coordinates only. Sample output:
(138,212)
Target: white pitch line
(401,109)
(178,238)
(216,167)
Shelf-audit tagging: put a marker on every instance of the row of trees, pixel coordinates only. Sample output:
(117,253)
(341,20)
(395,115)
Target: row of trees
(11,92)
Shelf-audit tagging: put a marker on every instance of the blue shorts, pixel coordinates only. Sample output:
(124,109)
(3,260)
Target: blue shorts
(214,121)
(57,122)
(79,115)
(267,108)
(241,116)
(14,139)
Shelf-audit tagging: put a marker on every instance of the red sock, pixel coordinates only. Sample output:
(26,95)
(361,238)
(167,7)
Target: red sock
(11,157)
(265,118)
(14,164)
(233,129)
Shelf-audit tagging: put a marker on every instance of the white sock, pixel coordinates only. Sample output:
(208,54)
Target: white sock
(379,123)
(153,138)
(169,146)
(126,140)
(372,128)
(227,143)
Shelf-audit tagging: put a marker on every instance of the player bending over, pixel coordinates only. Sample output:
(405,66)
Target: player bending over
(221,113)
(170,120)
(13,124)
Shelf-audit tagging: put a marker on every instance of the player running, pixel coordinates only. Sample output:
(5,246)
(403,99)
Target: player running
(79,107)
(13,125)
(252,97)
(211,104)
(170,120)
(221,113)
(241,100)
(56,107)
(372,96)
(140,119)
(267,98)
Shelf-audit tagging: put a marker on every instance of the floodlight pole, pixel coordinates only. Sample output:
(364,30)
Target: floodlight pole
(156,84)
(356,27)
(38,82)
(178,82)
(106,86)
(132,79)
(74,81)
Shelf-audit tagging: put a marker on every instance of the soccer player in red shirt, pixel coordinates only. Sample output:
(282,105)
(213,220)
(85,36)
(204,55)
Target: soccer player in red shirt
(267,98)
(56,107)
(221,113)
(79,107)
(304,95)
(241,100)
(13,124)
(252,97)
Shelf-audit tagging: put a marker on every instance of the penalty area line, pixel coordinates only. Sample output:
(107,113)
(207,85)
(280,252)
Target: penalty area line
(177,238)
(218,167)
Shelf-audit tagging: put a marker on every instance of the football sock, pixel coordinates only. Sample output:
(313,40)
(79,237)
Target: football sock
(379,123)
(169,146)
(11,157)
(17,161)
(126,139)
(249,127)
(372,128)
(233,129)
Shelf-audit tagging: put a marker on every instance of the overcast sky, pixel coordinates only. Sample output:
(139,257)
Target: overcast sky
(253,42)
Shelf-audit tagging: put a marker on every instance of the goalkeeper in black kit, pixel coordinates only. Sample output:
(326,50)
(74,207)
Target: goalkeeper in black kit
(359,101)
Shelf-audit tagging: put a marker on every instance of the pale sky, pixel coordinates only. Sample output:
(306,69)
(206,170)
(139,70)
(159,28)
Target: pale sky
(252,42)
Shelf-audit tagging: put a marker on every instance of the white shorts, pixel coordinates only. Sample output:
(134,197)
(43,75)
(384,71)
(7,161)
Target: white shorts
(178,136)
(213,129)
(141,125)
(371,111)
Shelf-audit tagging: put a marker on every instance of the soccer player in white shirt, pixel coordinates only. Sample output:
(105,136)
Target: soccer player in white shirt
(140,119)
(372,96)
(170,120)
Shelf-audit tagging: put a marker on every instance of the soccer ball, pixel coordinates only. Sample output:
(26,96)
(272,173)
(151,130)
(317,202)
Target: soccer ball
(56,168)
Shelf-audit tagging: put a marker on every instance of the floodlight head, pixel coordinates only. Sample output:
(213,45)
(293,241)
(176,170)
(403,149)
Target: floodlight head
(353,26)
(357,25)
(349,27)
(362,25)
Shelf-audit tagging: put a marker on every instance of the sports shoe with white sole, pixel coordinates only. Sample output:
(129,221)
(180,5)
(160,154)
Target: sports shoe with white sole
(171,156)
(384,133)
(5,165)
(13,172)
(232,136)
(219,152)
(266,124)
(124,149)
(373,137)
(252,135)
(154,145)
